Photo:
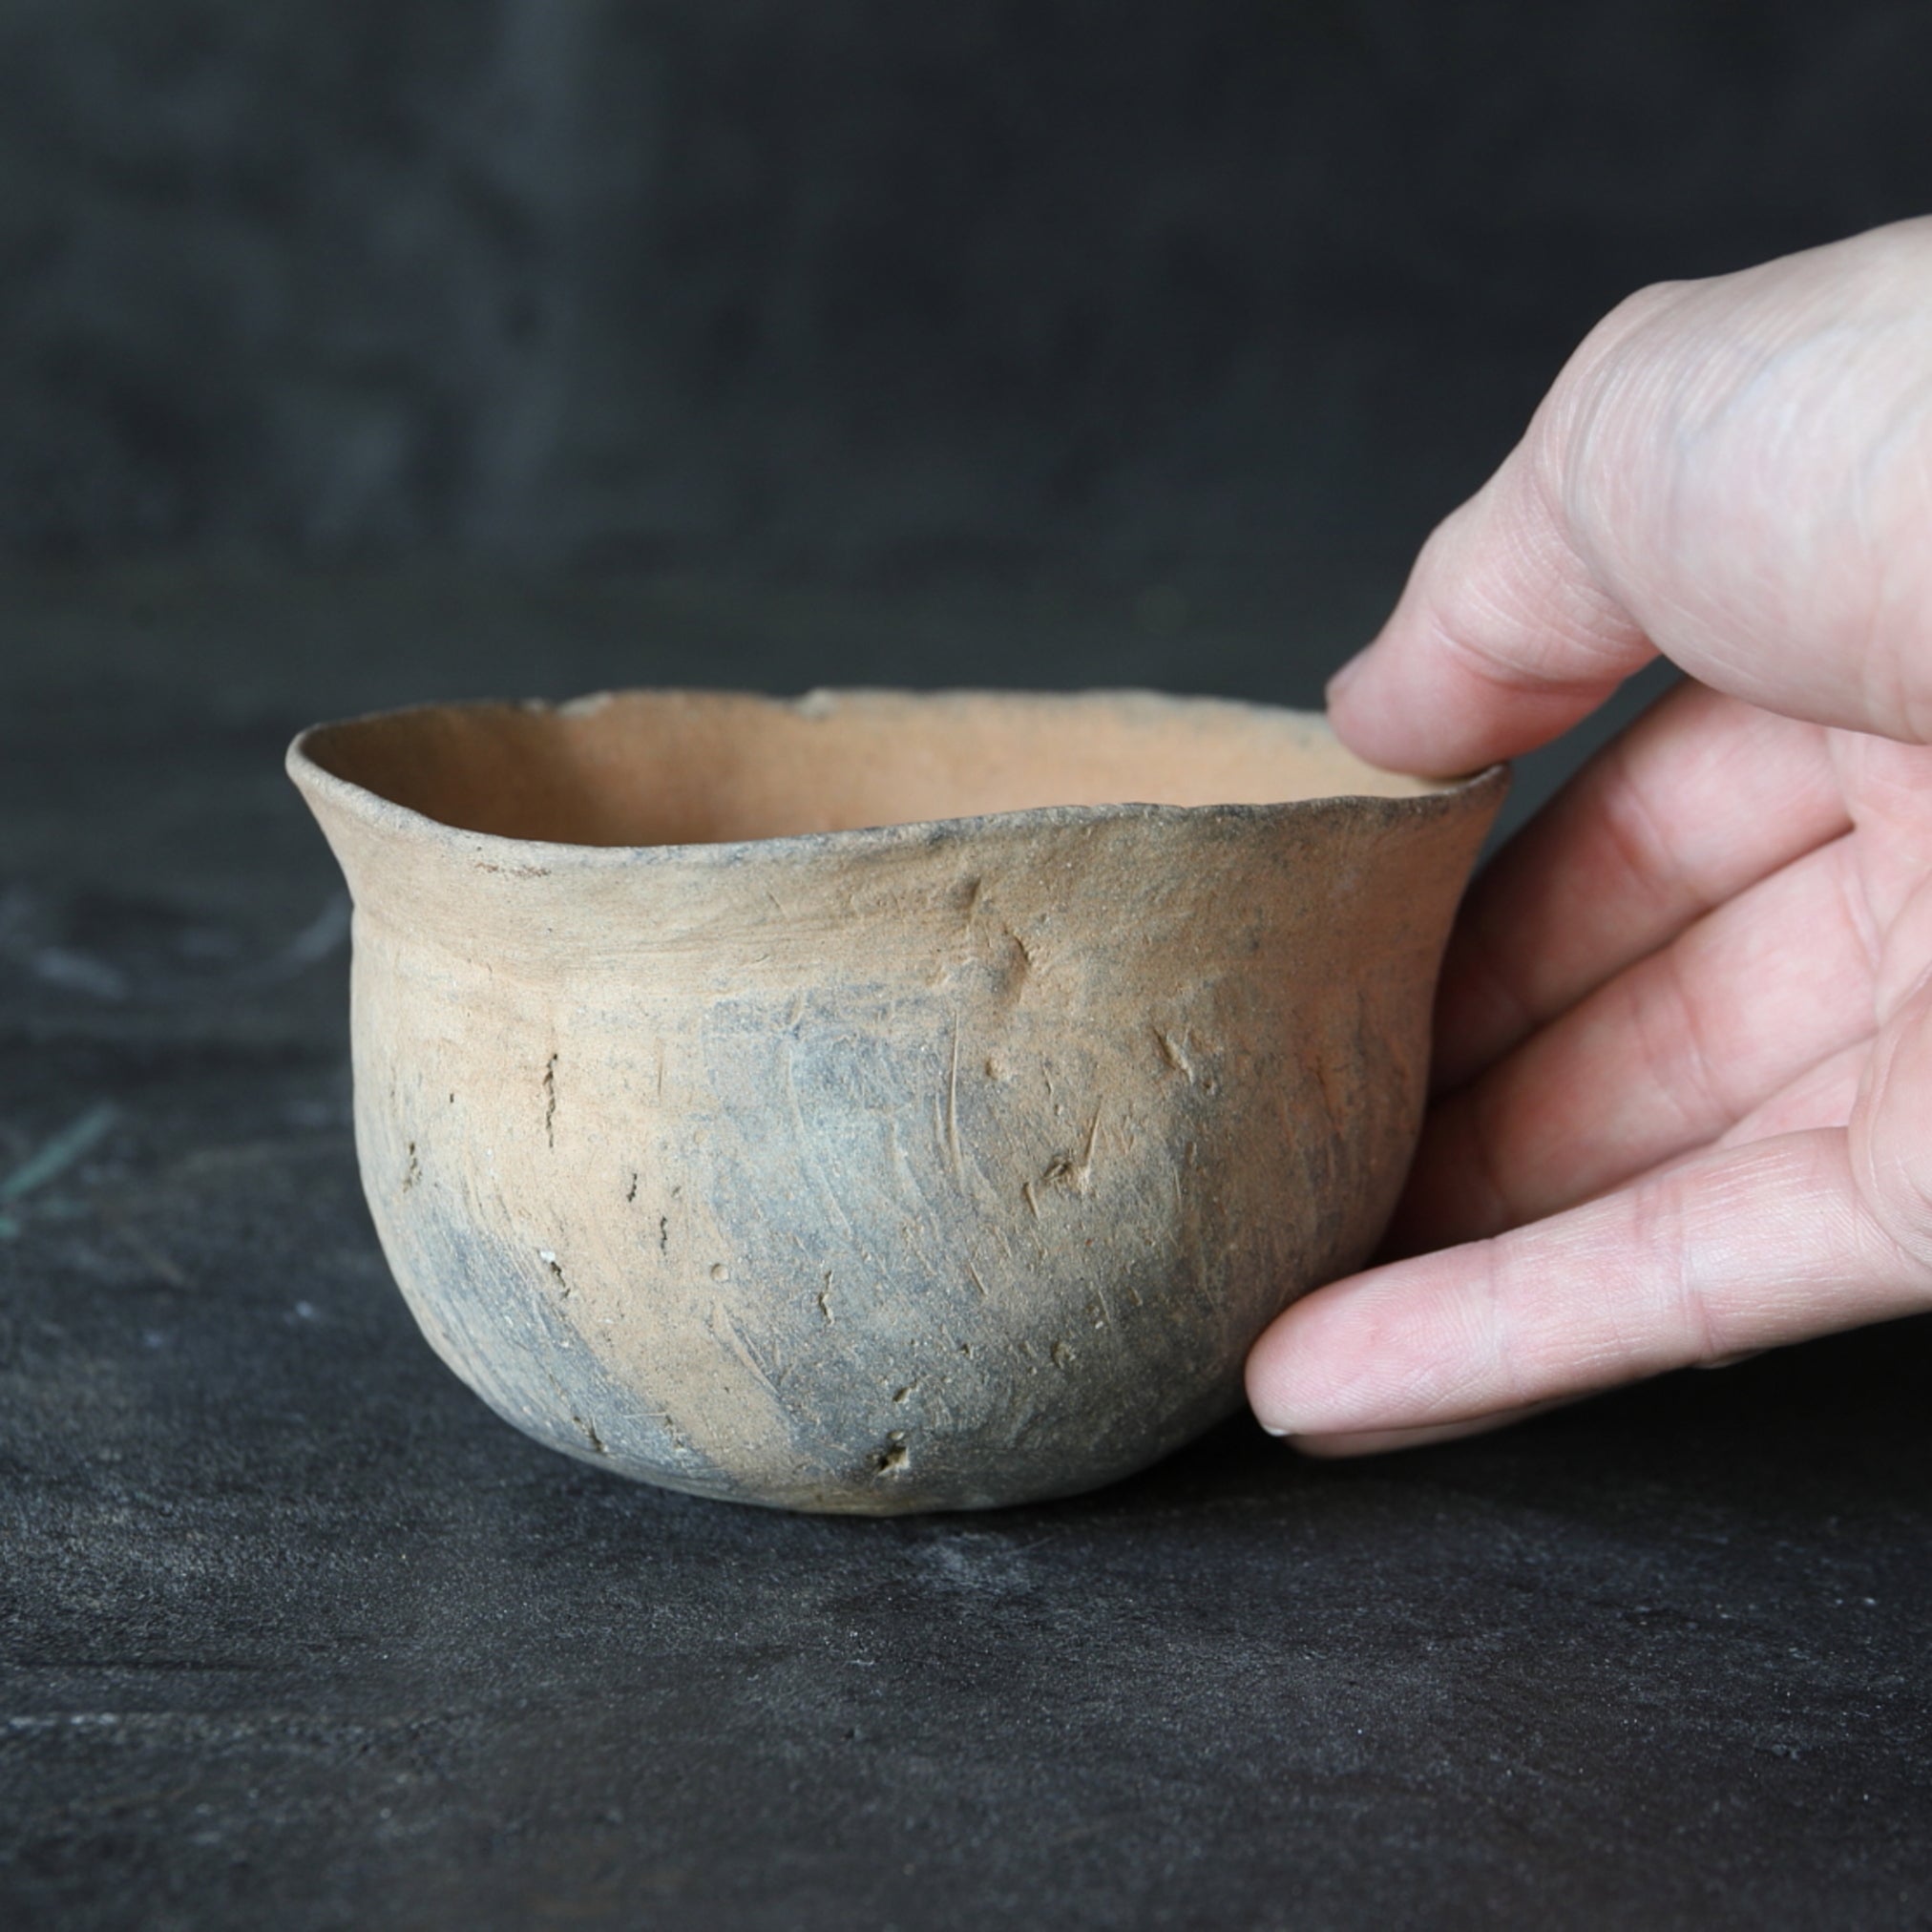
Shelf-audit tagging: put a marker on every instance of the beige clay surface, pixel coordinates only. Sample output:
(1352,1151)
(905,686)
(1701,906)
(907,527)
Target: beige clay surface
(876,1102)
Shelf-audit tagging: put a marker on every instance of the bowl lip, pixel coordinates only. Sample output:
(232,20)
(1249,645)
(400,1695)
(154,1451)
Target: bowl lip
(536,857)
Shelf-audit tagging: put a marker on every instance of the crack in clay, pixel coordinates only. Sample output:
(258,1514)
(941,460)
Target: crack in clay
(1331,1106)
(1065,1171)
(550,1103)
(555,1267)
(584,1428)
(952,1106)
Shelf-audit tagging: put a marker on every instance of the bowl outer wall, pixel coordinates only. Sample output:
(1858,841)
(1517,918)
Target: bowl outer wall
(936,1166)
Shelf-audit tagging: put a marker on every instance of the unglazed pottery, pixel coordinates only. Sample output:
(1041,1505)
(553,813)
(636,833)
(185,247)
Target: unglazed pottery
(878,1102)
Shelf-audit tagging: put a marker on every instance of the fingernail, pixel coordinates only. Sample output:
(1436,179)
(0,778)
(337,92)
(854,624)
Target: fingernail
(1270,1429)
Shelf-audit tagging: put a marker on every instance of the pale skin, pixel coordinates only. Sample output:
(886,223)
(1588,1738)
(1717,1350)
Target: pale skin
(1682,1080)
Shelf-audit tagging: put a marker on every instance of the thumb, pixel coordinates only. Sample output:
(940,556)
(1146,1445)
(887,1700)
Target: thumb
(1736,472)
(1502,639)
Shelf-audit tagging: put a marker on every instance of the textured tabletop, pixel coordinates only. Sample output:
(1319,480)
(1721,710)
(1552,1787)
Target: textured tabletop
(293,1632)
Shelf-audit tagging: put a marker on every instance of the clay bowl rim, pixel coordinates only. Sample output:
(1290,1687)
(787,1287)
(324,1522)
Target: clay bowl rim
(385,814)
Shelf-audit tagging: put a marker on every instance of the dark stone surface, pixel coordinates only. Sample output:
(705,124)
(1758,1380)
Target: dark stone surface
(294,1634)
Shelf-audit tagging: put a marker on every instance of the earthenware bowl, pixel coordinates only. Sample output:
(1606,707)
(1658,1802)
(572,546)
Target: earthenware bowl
(878,1102)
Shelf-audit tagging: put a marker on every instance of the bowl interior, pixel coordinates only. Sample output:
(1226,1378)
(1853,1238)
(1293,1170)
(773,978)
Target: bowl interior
(675,768)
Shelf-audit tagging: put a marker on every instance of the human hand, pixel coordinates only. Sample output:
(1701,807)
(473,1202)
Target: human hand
(1684,1038)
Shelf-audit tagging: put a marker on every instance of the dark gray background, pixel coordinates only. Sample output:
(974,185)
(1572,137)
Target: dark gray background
(864,284)
(356,353)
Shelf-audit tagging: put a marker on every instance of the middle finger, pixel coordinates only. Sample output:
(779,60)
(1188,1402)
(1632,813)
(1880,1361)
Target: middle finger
(1666,1056)
(1696,801)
